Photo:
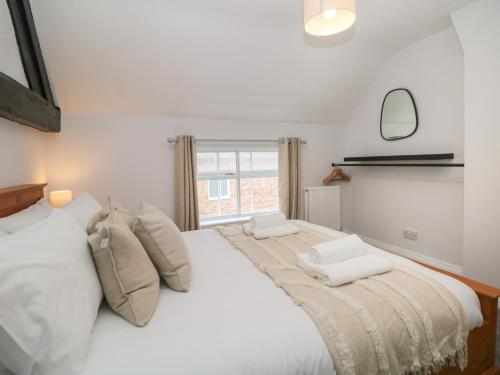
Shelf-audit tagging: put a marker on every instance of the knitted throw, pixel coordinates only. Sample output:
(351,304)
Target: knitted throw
(400,322)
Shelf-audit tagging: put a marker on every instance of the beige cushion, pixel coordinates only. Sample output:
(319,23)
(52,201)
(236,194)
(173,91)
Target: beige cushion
(130,281)
(166,247)
(109,206)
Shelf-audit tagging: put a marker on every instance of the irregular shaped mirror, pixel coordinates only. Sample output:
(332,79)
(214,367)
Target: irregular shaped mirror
(399,115)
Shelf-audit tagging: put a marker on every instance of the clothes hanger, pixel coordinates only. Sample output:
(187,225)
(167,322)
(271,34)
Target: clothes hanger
(336,175)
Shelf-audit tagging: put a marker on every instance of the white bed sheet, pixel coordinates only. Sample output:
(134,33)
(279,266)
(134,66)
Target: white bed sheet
(233,321)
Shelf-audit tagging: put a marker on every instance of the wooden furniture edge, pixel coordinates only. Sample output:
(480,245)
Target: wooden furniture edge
(482,340)
(16,198)
(477,286)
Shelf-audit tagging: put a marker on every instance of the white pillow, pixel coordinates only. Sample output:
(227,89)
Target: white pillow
(34,213)
(3,234)
(83,208)
(50,295)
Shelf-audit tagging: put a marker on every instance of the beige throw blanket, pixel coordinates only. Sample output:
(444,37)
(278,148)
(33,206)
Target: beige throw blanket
(400,322)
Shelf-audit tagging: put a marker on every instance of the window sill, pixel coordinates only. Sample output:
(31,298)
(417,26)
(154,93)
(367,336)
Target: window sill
(232,220)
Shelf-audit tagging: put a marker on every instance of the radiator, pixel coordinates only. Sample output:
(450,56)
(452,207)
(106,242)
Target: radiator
(322,206)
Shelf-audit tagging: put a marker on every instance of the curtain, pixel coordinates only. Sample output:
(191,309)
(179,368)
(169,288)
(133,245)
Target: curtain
(289,178)
(186,194)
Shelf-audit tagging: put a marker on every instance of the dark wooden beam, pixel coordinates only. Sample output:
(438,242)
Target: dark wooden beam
(29,48)
(33,106)
(20,104)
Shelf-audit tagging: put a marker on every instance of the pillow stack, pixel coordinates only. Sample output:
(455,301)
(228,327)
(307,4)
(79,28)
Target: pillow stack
(50,295)
(50,291)
(131,253)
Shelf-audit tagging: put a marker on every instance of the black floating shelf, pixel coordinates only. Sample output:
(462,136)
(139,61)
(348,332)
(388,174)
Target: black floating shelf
(449,165)
(448,156)
(419,157)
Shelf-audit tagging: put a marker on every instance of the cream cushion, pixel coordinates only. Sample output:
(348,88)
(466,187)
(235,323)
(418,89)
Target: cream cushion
(166,247)
(130,281)
(110,206)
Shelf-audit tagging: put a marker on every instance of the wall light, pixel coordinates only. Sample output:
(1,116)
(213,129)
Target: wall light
(60,198)
(328,17)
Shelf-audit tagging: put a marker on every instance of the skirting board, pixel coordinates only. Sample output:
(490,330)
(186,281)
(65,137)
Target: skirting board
(413,255)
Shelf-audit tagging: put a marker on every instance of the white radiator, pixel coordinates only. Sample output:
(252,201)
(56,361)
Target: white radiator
(322,206)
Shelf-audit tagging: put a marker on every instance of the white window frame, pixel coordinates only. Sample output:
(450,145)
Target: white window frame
(237,175)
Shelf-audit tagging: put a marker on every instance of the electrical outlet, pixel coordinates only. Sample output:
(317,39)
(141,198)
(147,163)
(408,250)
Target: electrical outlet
(410,234)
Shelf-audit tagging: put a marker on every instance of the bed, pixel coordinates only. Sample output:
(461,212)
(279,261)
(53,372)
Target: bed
(236,321)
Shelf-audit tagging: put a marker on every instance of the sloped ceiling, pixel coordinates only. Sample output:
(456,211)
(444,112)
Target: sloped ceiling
(231,59)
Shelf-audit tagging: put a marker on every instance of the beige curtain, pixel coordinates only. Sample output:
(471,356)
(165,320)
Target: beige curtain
(289,177)
(186,194)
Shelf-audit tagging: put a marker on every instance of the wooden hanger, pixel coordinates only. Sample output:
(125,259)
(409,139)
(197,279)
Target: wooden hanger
(336,175)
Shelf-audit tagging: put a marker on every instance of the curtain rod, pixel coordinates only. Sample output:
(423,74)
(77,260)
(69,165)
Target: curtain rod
(280,141)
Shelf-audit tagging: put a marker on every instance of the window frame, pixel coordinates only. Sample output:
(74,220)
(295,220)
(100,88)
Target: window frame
(237,176)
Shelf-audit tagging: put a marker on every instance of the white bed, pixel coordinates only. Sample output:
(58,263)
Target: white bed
(233,321)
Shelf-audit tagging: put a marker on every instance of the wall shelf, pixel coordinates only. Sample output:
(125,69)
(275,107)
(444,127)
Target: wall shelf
(448,156)
(418,157)
(449,165)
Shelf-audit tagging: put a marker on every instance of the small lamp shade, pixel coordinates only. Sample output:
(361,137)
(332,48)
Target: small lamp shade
(60,198)
(328,17)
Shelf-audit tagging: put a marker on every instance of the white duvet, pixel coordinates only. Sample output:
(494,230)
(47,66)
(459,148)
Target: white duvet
(233,321)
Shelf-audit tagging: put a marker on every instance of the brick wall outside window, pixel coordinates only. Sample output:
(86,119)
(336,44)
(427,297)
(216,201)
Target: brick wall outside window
(257,195)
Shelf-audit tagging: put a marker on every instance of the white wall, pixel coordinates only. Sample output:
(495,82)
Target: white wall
(479,32)
(23,155)
(129,157)
(380,202)
(10,59)
(23,152)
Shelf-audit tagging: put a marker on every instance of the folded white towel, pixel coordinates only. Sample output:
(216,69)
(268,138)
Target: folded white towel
(347,271)
(338,250)
(267,221)
(275,231)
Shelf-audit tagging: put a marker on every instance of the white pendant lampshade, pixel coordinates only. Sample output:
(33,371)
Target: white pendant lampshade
(328,17)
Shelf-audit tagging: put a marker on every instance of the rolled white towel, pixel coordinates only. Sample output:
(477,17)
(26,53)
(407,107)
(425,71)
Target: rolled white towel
(267,221)
(338,250)
(347,271)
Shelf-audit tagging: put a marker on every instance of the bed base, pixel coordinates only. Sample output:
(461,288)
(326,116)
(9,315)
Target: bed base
(481,341)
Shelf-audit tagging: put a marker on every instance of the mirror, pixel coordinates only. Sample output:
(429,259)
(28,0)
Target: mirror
(399,115)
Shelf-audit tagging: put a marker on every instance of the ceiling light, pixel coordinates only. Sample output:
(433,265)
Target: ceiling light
(329,14)
(328,17)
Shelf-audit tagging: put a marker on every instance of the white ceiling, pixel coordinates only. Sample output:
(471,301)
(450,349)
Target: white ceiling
(232,59)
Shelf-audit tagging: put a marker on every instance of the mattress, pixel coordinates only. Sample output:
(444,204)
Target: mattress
(233,321)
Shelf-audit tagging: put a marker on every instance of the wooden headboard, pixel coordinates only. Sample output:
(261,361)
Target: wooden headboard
(16,198)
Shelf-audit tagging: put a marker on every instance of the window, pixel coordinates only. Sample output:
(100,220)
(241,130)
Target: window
(218,189)
(235,184)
